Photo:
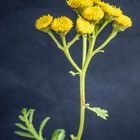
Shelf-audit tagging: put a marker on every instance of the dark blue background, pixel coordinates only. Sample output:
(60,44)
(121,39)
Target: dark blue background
(34,74)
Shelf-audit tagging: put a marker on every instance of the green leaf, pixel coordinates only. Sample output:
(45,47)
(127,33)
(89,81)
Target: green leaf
(59,134)
(73,73)
(21,126)
(24,111)
(21,118)
(31,113)
(24,134)
(99,112)
(42,125)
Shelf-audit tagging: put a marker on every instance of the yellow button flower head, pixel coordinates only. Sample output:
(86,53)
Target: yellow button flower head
(93,13)
(78,4)
(123,22)
(111,10)
(83,26)
(43,22)
(62,24)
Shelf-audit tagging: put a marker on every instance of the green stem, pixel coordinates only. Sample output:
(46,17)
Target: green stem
(89,55)
(85,62)
(67,53)
(102,27)
(112,35)
(84,49)
(55,40)
(73,40)
(82,78)
(82,105)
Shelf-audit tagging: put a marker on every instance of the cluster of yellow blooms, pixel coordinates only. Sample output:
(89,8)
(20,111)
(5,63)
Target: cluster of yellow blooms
(60,25)
(90,13)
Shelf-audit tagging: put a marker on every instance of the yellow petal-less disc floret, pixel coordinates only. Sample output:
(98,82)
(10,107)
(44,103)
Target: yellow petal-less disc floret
(78,4)
(93,13)
(110,9)
(83,26)
(43,22)
(122,22)
(62,24)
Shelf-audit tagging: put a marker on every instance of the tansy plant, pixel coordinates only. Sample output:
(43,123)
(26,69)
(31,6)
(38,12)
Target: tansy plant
(93,17)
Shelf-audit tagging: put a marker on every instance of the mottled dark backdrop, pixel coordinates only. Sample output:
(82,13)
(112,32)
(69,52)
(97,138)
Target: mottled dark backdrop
(34,74)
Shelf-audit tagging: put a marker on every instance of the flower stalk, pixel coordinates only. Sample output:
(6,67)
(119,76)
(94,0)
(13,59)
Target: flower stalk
(82,106)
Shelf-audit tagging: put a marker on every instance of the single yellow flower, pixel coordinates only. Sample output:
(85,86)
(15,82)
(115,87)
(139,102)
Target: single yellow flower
(62,24)
(110,9)
(83,26)
(93,13)
(78,4)
(123,22)
(43,22)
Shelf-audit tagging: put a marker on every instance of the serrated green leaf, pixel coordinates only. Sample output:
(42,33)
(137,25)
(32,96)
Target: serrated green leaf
(24,134)
(21,126)
(99,112)
(42,125)
(59,134)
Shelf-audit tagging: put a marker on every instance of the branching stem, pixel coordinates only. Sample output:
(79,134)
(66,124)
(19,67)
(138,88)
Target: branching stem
(87,56)
(55,40)
(112,35)
(68,55)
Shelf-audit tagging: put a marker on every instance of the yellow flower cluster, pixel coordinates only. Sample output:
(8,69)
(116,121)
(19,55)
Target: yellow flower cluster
(78,4)
(44,22)
(94,13)
(62,24)
(91,12)
(83,26)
